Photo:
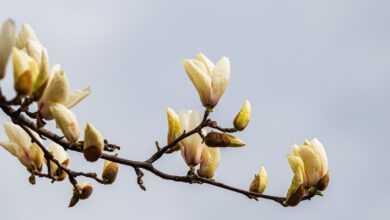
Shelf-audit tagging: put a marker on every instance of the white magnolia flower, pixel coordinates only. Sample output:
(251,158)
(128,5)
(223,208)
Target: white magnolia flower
(209,80)
(19,145)
(58,92)
(192,146)
(7,42)
(211,157)
(314,158)
(309,164)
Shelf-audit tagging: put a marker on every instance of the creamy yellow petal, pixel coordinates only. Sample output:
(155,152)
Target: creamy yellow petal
(26,34)
(77,96)
(7,42)
(174,126)
(209,162)
(198,74)
(220,78)
(208,64)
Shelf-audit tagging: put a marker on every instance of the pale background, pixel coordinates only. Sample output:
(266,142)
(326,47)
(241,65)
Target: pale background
(310,68)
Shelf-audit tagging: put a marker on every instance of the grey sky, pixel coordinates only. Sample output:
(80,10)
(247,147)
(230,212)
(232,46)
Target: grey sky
(310,68)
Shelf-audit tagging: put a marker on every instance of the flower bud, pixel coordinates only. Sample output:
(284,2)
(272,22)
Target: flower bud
(174,128)
(25,71)
(85,190)
(209,162)
(323,183)
(243,117)
(62,157)
(259,183)
(110,171)
(66,121)
(216,139)
(93,143)
(7,42)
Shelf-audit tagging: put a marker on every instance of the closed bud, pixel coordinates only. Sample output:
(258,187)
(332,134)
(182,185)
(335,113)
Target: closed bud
(216,139)
(323,183)
(93,143)
(25,71)
(209,162)
(7,42)
(174,128)
(85,190)
(243,117)
(260,182)
(62,157)
(110,171)
(66,121)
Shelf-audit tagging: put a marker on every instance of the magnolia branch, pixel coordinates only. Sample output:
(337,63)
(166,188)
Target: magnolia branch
(27,123)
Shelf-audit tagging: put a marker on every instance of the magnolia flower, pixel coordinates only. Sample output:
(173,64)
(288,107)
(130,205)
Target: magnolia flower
(209,80)
(7,41)
(93,143)
(209,162)
(19,145)
(259,183)
(62,157)
(309,164)
(57,91)
(192,146)
(243,117)
(66,121)
(110,171)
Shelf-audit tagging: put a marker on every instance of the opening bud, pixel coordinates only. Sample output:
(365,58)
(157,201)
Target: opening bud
(260,182)
(174,128)
(209,162)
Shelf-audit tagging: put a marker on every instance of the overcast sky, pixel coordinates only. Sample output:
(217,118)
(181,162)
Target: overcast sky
(310,68)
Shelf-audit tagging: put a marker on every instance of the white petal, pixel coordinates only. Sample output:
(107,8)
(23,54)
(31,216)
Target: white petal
(58,152)
(7,41)
(26,33)
(198,74)
(77,96)
(209,65)
(319,148)
(17,135)
(66,121)
(220,78)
